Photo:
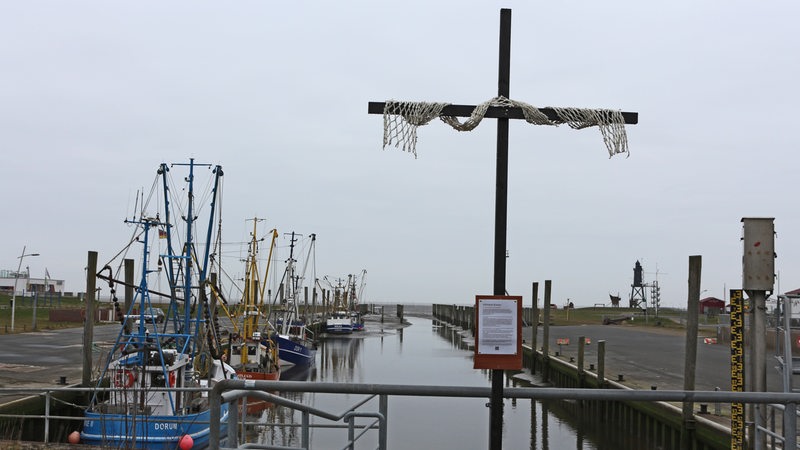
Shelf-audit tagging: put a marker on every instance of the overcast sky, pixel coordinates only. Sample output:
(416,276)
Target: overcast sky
(94,95)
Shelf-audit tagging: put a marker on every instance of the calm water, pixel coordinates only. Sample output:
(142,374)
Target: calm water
(424,354)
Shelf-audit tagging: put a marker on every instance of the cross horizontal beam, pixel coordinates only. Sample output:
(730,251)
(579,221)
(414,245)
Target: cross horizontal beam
(496,112)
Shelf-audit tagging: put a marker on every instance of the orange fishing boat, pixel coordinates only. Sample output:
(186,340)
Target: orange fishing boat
(252,356)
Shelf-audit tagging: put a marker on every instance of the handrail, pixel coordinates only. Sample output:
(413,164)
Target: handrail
(218,392)
(537,393)
(231,390)
(234,395)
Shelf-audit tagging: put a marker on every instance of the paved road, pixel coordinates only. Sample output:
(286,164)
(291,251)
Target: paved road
(645,358)
(650,357)
(40,359)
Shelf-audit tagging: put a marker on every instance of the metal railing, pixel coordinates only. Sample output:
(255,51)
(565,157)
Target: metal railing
(231,390)
(240,390)
(786,368)
(348,416)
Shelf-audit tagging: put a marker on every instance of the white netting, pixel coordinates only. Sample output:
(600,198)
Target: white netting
(401,120)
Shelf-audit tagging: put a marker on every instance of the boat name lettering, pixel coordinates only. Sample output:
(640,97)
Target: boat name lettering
(166,426)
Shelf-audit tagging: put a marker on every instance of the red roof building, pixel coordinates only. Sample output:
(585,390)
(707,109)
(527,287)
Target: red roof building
(712,305)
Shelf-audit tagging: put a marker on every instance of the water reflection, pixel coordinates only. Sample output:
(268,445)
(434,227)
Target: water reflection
(545,427)
(299,373)
(425,353)
(340,360)
(533,425)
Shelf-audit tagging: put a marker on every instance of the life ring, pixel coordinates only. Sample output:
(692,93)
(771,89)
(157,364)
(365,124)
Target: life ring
(124,379)
(172,379)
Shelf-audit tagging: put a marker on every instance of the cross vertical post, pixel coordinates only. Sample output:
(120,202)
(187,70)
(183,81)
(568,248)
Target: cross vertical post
(500,219)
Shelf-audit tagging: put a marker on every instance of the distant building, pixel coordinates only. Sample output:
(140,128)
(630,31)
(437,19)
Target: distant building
(712,305)
(27,285)
(794,297)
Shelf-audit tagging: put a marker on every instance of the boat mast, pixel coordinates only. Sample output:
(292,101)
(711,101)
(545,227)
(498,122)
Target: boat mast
(359,298)
(269,262)
(203,311)
(187,256)
(187,252)
(310,256)
(251,291)
(291,288)
(204,268)
(171,275)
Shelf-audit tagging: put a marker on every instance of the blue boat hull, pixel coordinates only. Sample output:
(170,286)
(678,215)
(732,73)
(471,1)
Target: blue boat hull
(149,432)
(293,352)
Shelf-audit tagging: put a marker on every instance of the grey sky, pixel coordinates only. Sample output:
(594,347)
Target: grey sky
(95,95)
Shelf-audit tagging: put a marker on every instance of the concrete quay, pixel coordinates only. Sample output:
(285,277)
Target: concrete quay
(647,357)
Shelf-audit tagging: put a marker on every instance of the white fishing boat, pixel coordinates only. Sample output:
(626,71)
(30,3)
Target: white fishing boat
(345,317)
(151,363)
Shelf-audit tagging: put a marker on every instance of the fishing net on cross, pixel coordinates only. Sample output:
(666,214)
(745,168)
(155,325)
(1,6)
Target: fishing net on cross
(402,118)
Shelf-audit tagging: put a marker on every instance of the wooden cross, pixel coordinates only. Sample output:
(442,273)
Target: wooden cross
(502,114)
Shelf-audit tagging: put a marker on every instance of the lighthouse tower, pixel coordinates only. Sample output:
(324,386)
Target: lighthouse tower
(638,296)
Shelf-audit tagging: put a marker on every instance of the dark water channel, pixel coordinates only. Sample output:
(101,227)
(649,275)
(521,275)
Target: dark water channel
(426,353)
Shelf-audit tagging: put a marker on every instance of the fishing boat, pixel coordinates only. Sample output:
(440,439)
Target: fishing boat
(141,398)
(345,316)
(339,320)
(296,344)
(254,357)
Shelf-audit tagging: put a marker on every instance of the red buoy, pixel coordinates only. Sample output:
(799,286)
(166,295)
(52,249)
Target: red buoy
(74,437)
(186,442)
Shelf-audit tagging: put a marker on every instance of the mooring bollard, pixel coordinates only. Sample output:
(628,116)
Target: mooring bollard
(653,388)
(703,408)
(620,377)
(62,381)
(601,362)
(591,367)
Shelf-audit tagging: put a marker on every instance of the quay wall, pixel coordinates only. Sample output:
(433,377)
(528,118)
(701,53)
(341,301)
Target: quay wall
(23,424)
(659,423)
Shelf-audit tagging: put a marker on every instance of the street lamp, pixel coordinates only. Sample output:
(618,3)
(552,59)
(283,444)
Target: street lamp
(16,278)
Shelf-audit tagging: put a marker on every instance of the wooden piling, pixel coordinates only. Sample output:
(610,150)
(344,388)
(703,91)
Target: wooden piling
(690,364)
(601,364)
(88,322)
(581,350)
(546,331)
(129,284)
(534,322)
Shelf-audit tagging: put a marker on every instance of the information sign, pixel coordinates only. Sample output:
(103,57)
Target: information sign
(498,341)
